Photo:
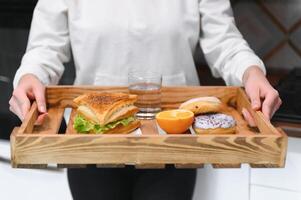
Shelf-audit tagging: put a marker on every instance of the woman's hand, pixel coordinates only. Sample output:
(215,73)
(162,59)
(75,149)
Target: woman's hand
(29,88)
(262,95)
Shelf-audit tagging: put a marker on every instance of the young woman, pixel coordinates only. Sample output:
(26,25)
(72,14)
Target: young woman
(107,38)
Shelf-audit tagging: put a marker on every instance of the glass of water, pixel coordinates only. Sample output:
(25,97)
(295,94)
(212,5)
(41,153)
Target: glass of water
(147,86)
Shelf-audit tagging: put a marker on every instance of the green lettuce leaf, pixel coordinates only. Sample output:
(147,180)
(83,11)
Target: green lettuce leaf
(81,125)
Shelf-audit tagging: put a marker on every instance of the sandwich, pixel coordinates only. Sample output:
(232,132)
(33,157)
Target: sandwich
(103,112)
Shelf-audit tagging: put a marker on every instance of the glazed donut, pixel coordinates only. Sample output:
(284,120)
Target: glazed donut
(214,124)
(202,105)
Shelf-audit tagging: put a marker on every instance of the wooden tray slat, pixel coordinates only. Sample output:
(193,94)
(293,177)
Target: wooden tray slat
(71,166)
(189,166)
(62,96)
(146,149)
(52,122)
(110,165)
(265,147)
(31,166)
(264,165)
(150,166)
(30,119)
(265,126)
(216,166)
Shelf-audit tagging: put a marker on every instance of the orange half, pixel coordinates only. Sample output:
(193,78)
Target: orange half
(175,121)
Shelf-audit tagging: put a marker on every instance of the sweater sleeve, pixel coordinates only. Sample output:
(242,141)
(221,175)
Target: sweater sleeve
(48,44)
(227,53)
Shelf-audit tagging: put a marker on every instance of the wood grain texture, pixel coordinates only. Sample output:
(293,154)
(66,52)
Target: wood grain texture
(163,149)
(71,166)
(110,165)
(265,147)
(52,122)
(30,119)
(189,166)
(149,166)
(264,165)
(216,166)
(31,166)
(282,141)
(262,123)
(172,97)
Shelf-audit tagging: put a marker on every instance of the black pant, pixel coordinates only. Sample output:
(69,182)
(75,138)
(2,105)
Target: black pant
(131,184)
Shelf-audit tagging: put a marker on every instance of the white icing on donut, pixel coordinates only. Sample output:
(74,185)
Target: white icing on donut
(200,99)
(213,121)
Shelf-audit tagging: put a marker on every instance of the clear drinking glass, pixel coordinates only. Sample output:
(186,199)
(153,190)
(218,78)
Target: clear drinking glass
(147,86)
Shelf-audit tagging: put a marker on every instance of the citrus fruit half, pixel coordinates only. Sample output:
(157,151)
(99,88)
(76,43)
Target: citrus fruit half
(175,121)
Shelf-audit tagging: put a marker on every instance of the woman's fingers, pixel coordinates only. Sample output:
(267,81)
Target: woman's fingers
(257,88)
(271,103)
(41,118)
(22,101)
(39,93)
(14,107)
(29,88)
(248,117)
(254,96)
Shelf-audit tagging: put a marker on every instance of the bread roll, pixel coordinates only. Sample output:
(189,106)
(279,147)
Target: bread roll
(202,105)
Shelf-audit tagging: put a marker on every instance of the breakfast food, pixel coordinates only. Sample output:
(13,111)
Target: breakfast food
(208,116)
(102,112)
(175,121)
(214,124)
(202,105)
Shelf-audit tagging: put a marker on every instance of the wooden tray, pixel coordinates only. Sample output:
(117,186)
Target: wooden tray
(38,146)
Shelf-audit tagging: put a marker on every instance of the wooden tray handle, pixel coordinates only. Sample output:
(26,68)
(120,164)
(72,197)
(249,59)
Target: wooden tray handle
(30,119)
(262,123)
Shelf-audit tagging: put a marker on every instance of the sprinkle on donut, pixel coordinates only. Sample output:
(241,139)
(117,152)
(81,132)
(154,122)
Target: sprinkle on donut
(213,121)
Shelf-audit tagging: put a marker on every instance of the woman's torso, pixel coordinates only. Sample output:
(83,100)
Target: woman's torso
(110,36)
